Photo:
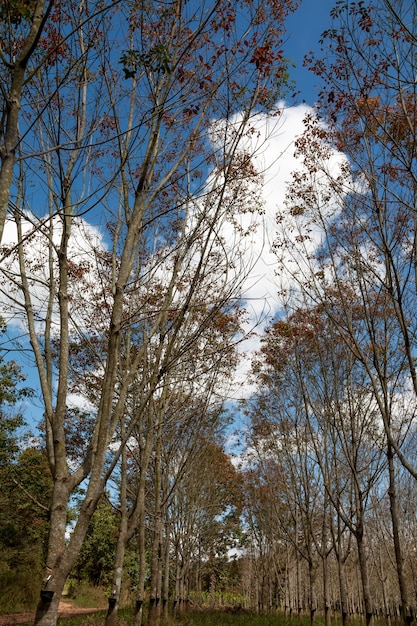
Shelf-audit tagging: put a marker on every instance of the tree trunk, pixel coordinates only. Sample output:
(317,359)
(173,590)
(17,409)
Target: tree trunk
(142,551)
(154,613)
(406,613)
(212,588)
(344,610)
(311,578)
(114,600)
(326,598)
(363,565)
(165,603)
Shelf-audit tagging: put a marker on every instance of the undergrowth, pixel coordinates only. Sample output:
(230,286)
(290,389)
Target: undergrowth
(19,590)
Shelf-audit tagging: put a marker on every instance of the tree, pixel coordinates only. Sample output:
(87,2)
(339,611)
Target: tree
(157,157)
(314,415)
(364,216)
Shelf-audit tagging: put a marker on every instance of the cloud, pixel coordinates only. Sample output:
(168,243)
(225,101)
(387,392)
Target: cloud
(247,236)
(271,143)
(85,252)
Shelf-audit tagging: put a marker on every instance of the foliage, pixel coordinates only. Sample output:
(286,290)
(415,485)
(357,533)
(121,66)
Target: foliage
(94,565)
(24,501)
(14,11)
(24,497)
(86,595)
(19,591)
(11,393)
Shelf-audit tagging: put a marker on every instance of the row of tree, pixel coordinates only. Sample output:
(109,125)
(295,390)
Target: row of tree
(333,422)
(130,193)
(137,117)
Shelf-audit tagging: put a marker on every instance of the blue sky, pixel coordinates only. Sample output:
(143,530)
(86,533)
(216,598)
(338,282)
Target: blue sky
(304,28)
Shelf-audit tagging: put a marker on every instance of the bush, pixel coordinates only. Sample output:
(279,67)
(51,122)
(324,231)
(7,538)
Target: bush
(86,595)
(19,589)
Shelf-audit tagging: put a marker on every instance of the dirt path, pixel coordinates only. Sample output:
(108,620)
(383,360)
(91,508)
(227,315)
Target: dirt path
(66,609)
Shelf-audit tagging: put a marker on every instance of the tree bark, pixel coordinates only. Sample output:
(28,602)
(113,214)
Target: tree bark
(363,565)
(114,599)
(154,613)
(406,613)
(10,138)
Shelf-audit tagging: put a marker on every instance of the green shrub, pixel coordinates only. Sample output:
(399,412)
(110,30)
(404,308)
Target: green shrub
(86,595)
(19,589)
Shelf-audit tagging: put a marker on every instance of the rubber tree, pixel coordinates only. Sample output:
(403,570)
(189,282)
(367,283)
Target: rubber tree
(142,136)
(364,214)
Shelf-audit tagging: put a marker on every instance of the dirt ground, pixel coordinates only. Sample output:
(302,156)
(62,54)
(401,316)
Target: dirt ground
(66,609)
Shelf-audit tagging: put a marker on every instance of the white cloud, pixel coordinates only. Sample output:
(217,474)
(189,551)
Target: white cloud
(272,144)
(84,250)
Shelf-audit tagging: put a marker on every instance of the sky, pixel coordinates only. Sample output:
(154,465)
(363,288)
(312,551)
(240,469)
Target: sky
(304,28)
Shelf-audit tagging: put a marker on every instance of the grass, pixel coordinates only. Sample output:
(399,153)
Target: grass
(190,618)
(222,618)
(211,618)
(86,596)
(232,617)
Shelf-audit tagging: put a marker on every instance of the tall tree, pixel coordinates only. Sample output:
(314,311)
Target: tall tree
(35,36)
(157,155)
(365,215)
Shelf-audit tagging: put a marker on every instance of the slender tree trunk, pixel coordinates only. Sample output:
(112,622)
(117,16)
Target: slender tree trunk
(383,580)
(141,550)
(114,600)
(165,604)
(363,565)
(344,608)
(212,587)
(406,613)
(298,574)
(154,598)
(312,591)
(326,594)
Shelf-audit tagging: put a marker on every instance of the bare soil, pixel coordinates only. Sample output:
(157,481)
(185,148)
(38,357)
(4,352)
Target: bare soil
(65,609)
